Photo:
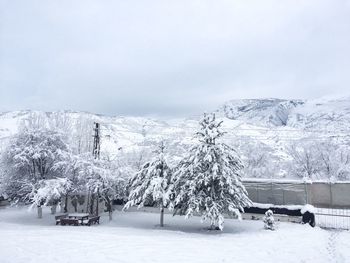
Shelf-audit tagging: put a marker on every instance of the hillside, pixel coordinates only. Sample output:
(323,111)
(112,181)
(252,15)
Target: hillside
(323,114)
(263,130)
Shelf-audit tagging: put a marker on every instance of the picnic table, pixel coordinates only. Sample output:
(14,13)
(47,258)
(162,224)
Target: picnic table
(77,219)
(79,216)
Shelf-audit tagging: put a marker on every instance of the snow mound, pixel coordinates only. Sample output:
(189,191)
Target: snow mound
(308,208)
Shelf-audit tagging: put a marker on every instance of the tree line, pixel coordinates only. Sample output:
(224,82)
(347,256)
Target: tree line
(44,164)
(38,167)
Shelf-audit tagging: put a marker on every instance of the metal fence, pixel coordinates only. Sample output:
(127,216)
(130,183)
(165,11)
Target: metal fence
(333,218)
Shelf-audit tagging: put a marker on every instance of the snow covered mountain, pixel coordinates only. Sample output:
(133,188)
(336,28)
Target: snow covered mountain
(266,112)
(324,114)
(120,135)
(262,129)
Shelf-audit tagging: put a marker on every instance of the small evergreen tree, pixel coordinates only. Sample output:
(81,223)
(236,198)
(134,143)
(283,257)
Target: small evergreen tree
(269,221)
(151,185)
(208,180)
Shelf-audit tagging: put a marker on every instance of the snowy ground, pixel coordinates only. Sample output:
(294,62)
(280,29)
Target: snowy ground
(134,237)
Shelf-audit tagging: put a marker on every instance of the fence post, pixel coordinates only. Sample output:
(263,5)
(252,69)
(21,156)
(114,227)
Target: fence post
(273,199)
(331,194)
(306,193)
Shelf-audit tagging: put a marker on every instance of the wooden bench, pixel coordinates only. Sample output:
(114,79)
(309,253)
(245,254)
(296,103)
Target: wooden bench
(92,220)
(69,221)
(59,217)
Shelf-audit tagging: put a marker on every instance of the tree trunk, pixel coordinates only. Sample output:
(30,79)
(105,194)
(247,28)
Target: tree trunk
(92,199)
(40,212)
(53,209)
(161,216)
(110,215)
(88,202)
(97,201)
(109,208)
(66,204)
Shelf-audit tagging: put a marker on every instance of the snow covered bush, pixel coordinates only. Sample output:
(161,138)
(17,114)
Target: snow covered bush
(208,181)
(308,212)
(269,221)
(151,184)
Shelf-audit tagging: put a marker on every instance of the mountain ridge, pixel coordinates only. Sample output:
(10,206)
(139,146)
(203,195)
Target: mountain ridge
(269,126)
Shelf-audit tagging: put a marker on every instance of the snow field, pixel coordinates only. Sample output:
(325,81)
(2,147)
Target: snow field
(136,237)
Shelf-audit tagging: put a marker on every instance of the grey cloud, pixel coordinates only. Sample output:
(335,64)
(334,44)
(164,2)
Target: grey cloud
(169,57)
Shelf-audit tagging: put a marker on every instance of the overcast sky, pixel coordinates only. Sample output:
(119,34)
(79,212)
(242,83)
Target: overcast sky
(169,58)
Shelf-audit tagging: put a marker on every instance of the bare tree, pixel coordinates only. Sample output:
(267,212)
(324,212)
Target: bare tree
(305,159)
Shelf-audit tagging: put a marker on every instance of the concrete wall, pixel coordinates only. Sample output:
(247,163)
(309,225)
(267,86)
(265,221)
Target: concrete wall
(276,193)
(320,194)
(335,195)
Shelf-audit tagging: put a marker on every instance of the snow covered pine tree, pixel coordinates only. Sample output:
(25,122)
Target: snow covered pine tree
(151,184)
(208,180)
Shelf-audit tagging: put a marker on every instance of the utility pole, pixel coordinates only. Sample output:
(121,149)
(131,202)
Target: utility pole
(96,146)
(96,154)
